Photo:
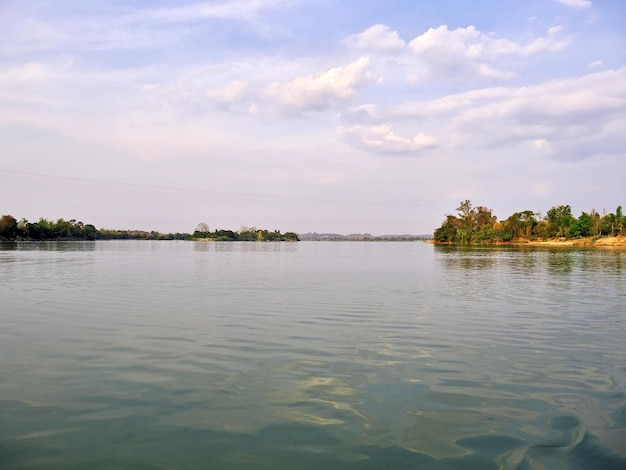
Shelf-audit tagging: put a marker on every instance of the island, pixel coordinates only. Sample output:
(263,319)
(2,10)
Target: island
(474,225)
(248,234)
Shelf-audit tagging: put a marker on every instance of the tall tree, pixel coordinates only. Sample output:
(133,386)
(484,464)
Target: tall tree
(466,214)
(560,218)
(202,228)
(620,220)
(8,227)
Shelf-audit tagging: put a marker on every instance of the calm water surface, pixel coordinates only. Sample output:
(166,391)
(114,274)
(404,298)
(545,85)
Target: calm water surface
(150,355)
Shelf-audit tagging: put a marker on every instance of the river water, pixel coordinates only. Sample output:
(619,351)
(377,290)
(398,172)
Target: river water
(311,355)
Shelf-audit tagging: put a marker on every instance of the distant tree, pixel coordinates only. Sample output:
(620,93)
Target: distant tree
(484,217)
(247,234)
(224,235)
(605,225)
(274,236)
(542,229)
(202,228)
(560,219)
(582,226)
(466,215)
(448,232)
(8,227)
(521,224)
(478,225)
(620,220)
(91,233)
(595,223)
(483,228)
(62,229)
(529,218)
(291,237)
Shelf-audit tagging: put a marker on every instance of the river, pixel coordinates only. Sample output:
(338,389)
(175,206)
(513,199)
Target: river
(311,355)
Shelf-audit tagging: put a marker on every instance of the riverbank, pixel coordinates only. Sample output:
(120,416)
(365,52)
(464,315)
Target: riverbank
(601,242)
(618,241)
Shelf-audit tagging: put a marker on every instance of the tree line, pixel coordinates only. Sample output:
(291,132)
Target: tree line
(43,229)
(477,224)
(250,234)
(11,229)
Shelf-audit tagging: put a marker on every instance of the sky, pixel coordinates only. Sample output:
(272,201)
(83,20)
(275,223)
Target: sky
(337,116)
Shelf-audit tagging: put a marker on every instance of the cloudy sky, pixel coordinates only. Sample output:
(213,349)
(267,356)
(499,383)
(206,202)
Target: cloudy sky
(309,115)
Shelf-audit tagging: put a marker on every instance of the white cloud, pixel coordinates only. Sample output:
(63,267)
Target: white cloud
(233,9)
(543,146)
(569,119)
(318,92)
(36,86)
(383,140)
(232,92)
(422,110)
(553,42)
(142,29)
(71,35)
(148,87)
(596,64)
(30,71)
(575,3)
(573,119)
(378,38)
(466,52)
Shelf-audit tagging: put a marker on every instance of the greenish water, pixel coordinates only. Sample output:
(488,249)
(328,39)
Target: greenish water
(312,355)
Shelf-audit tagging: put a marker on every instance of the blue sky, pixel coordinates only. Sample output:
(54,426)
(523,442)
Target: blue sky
(303,115)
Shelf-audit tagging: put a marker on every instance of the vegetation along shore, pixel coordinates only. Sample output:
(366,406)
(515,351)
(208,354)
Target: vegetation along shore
(11,229)
(477,225)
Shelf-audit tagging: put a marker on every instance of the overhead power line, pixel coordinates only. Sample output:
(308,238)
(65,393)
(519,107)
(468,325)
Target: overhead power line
(209,191)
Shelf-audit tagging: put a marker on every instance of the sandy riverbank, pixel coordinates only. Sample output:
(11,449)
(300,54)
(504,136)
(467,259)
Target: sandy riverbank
(602,242)
(619,241)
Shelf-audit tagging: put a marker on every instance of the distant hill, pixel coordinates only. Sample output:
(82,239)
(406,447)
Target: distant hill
(314,236)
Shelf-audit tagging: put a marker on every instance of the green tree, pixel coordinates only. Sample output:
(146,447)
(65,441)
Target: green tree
(62,229)
(595,223)
(91,233)
(291,237)
(607,224)
(560,219)
(247,234)
(483,227)
(466,215)
(515,225)
(620,220)
(542,229)
(201,230)
(8,227)
(582,226)
(448,232)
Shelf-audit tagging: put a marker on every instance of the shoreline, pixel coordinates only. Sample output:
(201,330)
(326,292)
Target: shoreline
(618,241)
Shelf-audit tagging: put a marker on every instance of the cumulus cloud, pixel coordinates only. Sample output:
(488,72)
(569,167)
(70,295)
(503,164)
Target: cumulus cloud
(575,3)
(567,119)
(378,38)
(467,52)
(383,140)
(570,119)
(320,91)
